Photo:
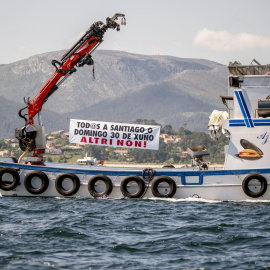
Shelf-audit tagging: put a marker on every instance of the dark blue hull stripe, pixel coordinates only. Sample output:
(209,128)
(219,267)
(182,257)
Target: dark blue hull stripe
(262,124)
(261,120)
(237,125)
(173,173)
(237,121)
(256,123)
(242,108)
(246,109)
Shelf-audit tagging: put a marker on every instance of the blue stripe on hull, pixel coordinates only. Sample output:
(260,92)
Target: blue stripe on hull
(262,124)
(242,108)
(256,123)
(261,120)
(246,109)
(122,172)
(237,125)
(237,121)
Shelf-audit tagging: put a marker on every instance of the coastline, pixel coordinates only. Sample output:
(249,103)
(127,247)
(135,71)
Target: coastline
(152,165)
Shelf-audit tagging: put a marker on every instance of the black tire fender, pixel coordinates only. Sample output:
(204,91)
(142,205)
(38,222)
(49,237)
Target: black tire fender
(245,185)
(127,180)
(59,184)
(169,181)
(100,177)
(15,176)
(28,182)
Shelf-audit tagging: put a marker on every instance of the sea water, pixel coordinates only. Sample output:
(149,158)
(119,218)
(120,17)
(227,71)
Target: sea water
(54,233)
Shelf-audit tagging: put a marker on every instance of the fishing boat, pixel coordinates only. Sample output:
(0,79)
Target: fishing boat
(245,175)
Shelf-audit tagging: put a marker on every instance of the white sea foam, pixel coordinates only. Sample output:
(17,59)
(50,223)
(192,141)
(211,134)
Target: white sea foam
(190,199)
(254,201)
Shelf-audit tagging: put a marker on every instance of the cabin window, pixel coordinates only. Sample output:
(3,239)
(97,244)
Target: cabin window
(235,81)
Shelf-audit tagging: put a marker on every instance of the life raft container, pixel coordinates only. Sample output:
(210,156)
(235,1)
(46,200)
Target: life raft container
(59,184)
(36,175)
(163,179)
(124,186)
(92,185)
(255,191)
(5,184)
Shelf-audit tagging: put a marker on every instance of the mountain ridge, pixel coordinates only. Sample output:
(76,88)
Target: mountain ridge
(127,86)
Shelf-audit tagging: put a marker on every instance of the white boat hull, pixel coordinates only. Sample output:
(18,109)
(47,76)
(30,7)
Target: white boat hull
(211,185)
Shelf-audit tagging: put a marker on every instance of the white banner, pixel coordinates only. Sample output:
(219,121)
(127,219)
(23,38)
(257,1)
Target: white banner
(114,134)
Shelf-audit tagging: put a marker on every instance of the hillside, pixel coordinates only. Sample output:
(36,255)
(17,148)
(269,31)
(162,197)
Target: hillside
(127,87)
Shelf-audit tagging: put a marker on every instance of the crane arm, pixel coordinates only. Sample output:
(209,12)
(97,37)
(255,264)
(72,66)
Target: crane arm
(32,137)
(78,55)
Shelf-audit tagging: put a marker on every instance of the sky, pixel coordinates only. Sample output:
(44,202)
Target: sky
(221,31)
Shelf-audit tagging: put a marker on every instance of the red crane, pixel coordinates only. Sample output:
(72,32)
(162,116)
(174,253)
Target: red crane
(32,137)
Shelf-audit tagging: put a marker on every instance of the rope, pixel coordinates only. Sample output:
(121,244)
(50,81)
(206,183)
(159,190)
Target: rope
(147,175)
(25,152)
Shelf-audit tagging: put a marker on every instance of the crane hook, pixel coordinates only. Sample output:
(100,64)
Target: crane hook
(123,21)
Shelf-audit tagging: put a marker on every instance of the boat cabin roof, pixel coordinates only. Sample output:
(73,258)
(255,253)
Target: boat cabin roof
(237,68)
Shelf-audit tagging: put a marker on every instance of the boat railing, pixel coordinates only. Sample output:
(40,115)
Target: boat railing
(237,68)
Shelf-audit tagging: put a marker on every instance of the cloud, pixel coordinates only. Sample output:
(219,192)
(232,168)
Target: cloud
(224,41)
